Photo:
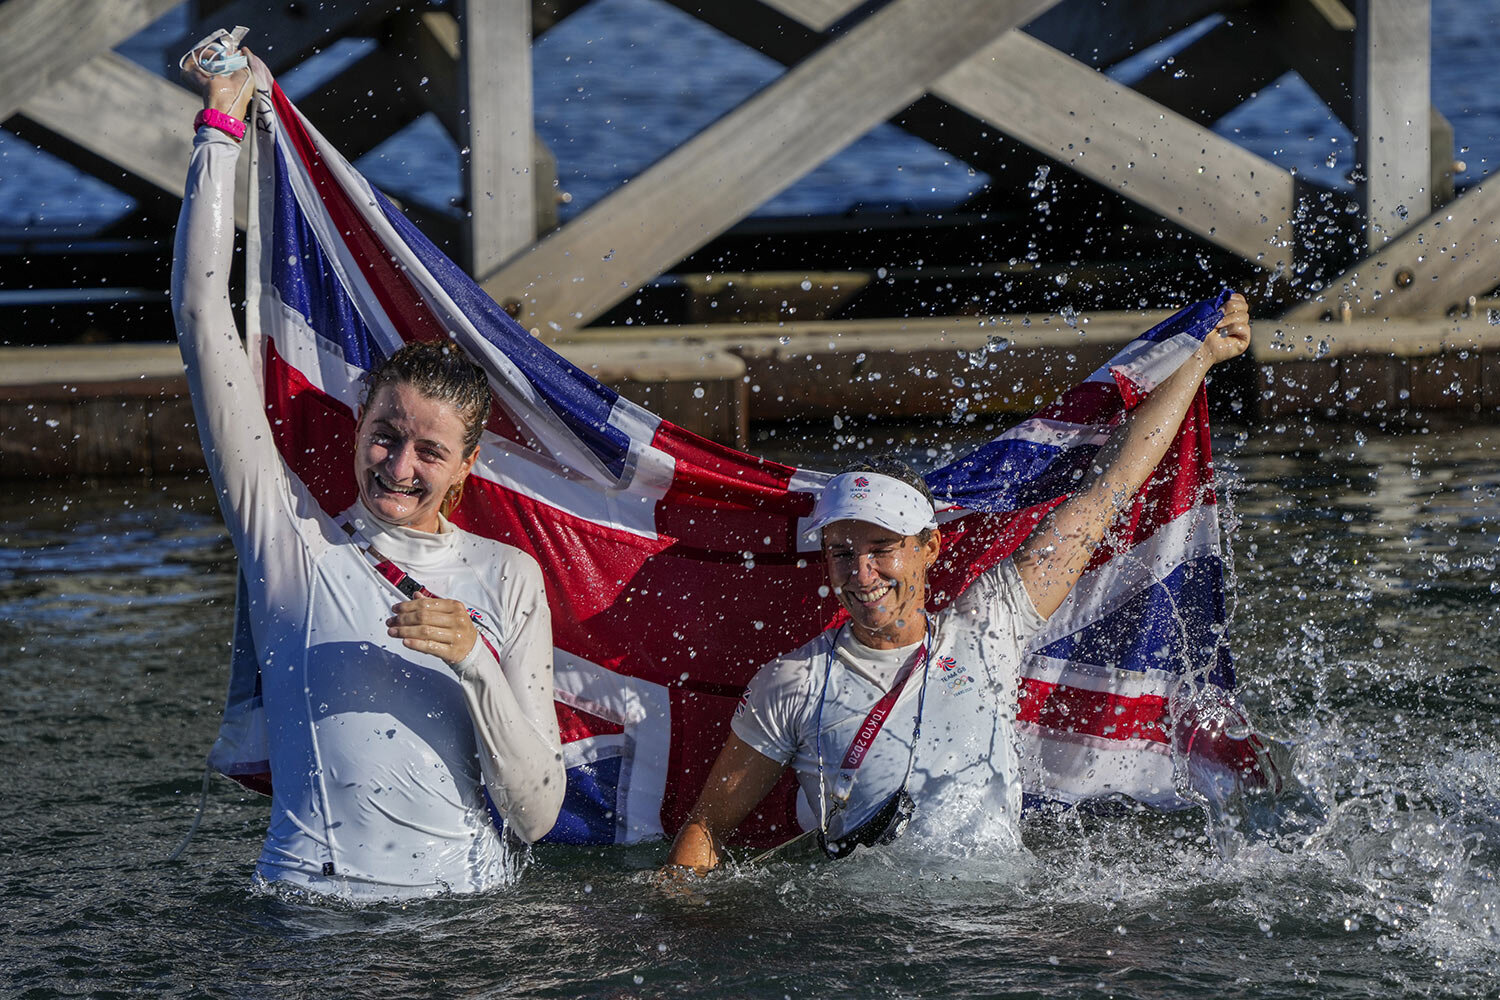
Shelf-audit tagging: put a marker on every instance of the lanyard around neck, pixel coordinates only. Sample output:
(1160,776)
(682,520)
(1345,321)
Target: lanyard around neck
(874,721)
(410,587)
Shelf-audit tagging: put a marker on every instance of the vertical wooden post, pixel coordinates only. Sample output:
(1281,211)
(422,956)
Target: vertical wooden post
(1392,101)
(495,98)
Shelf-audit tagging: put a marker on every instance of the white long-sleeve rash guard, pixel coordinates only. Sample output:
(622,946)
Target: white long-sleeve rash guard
(378,753)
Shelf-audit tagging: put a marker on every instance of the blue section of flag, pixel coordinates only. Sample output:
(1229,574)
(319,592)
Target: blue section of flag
(1010,474)
(588,811)
(582,403)
(306,281)
(1172,625)
(1195,320)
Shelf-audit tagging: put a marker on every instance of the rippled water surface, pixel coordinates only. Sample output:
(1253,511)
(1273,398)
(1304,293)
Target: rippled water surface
(1364,623)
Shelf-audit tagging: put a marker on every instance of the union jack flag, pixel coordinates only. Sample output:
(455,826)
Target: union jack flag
(675,566)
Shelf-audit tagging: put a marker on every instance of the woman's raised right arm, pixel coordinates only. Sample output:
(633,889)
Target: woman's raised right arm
(241,455)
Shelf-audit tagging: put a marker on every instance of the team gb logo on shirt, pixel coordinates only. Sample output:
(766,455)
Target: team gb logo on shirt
(956,680)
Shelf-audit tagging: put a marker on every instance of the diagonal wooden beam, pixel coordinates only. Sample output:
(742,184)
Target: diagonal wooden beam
(1069,112)
(115,109)
(817,15)
(41,41)
(718,177)
(1128,143)
(1432,268)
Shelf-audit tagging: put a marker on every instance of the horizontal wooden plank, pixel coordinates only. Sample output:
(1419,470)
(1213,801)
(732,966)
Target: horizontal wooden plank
(91,363)
(957,332)
(118,366)
(1405,338)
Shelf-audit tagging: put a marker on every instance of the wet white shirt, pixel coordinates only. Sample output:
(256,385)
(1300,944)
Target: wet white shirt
(964,773)
(379,755)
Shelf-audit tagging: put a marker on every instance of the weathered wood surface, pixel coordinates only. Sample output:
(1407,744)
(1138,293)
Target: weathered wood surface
(723,173)
(1107,132)
(819,15)
(959,333)
(41,41)
(1397,338)
(1431,269)
(495,70)
(1392,92)
(1071,113)
(1379,388)
(134,118)
(424,50)
(123,409)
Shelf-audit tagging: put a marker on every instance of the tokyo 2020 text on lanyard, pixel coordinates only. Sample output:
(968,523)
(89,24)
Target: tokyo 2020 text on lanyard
(864,736)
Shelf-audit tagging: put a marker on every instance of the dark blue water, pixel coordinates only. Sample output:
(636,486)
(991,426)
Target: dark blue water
(622,82)
(1365,625)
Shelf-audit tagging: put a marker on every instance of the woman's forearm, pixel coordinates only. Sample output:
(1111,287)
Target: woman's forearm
(1052,559)
(515,722)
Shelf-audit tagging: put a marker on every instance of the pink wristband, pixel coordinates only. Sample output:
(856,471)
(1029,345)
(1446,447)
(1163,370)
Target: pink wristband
(230,126)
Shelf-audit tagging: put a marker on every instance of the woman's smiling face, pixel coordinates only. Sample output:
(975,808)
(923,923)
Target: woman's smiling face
(408,453)
(880,577)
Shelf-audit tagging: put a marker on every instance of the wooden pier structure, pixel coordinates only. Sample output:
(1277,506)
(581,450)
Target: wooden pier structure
(1369,304)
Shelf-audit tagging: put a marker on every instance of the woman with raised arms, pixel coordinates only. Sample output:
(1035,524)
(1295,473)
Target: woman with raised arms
(393,714)
(903,718)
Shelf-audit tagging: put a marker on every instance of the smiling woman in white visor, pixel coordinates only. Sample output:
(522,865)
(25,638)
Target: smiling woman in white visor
(901,721)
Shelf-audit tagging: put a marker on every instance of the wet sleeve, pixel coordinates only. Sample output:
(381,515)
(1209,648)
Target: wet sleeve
(510,702)
(242,459)
(767,718)
(997,595)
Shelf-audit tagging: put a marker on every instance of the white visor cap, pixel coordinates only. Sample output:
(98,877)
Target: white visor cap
(874,498)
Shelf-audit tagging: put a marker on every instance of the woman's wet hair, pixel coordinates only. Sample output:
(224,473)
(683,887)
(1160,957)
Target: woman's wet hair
(887,465)
(438,370)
